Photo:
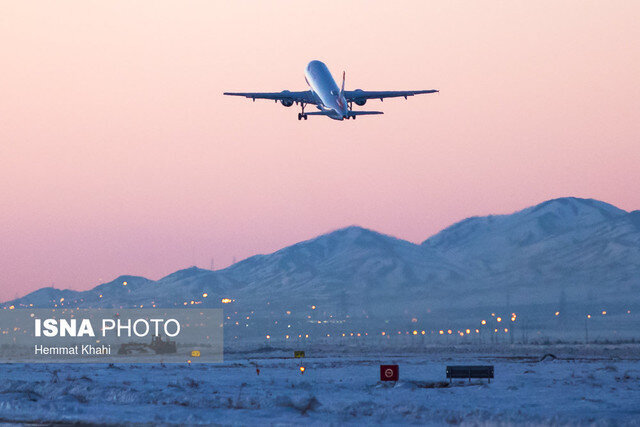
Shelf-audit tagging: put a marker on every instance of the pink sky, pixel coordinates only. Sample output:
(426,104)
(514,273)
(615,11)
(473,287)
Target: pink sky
(119,154)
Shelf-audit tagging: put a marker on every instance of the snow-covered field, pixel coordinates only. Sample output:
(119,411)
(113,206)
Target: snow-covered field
(584,385)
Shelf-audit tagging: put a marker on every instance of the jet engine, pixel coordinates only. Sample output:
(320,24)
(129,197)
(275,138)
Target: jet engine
(286,102)
(359,102)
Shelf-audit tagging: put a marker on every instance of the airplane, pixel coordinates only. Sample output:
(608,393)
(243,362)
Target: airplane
(331,101)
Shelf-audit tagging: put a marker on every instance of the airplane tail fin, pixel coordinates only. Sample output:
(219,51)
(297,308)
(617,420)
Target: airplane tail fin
(343,79)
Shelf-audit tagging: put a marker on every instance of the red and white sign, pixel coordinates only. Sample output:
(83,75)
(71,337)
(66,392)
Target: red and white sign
(389,373)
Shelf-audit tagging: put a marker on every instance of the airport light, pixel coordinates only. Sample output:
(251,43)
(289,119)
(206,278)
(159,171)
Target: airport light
(124,283)
(415,332)
(468,331)
(588,316)
(557,313)
(268,337)
(313,307)
(302,369)
(499,319)
(205,295)
(604,312)
(506,330)
(423,332)
(384,333)
(441,332)
(449,331)
(484,322)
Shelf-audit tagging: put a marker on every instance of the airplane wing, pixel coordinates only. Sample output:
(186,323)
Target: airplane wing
(286,97)
(359,95)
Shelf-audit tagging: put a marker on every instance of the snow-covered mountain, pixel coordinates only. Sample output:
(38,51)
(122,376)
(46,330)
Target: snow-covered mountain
(577,253)
(504,234)
(588,249)
(353,261)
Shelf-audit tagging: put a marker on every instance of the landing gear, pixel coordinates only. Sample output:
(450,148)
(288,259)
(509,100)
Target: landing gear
(302,115)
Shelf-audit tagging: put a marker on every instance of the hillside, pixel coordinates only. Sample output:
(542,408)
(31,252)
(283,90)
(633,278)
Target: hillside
(578,255)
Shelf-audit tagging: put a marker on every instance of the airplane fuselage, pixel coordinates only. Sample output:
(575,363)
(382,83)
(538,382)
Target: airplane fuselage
(325,89)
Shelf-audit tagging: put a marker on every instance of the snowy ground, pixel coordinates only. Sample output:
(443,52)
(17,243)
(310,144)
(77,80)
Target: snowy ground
(602,387)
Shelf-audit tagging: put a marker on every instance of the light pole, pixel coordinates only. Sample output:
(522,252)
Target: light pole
(586,329)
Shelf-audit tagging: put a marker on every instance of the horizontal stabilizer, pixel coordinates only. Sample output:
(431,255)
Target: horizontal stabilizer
(364,113)
(351,113)
(318,113)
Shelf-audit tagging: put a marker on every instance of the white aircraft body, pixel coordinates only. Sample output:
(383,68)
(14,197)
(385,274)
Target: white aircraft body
(331,101)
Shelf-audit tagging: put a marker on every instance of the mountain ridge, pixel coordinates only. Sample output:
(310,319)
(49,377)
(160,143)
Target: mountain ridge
(528,254)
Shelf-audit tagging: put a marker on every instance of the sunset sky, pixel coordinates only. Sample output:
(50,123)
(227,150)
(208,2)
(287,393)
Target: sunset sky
(119,154)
